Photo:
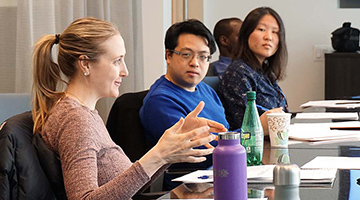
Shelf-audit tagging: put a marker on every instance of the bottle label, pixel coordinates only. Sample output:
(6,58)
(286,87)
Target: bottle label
(246,136)
(221,173)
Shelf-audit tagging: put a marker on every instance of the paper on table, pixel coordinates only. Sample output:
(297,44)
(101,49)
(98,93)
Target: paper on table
(333,162)
(347,104)
(263,174)
(328,115)
(322,131)
(208,199)
(194,177)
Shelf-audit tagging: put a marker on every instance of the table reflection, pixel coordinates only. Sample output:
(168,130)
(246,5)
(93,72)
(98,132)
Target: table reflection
(345,186)
(193,191)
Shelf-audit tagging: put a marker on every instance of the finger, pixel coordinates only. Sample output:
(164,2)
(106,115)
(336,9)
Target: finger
(191,135)
(197,110)
(201,141)
(215,127)
(176,127)
(209,146)
(199,155)
(204,134)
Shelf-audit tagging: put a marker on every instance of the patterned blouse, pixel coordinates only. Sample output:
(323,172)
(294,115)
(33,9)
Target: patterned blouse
(240,78)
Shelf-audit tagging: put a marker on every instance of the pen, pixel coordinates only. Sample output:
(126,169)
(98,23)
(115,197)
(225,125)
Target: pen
(205,177)
(261,108)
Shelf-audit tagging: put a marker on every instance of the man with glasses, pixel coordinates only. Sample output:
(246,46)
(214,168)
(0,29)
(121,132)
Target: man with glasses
(189,46)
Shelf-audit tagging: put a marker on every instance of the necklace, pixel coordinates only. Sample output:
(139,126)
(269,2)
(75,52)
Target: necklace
(77,98)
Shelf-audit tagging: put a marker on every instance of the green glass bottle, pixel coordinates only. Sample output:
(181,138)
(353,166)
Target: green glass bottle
(252,135)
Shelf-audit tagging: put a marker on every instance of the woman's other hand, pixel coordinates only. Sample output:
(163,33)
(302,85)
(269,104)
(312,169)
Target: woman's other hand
(263,119)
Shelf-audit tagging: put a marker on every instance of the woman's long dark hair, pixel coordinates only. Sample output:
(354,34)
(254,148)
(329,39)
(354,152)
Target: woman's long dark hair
(274,69)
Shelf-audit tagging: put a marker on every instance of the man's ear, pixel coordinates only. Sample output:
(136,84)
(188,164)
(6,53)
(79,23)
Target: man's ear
(84,64)
(167,55)
(224,41)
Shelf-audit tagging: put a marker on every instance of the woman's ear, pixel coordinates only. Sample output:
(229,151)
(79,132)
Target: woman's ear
(83,63)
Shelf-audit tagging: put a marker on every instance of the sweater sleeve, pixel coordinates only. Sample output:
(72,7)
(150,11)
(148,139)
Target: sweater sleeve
(79,150)
(158,114)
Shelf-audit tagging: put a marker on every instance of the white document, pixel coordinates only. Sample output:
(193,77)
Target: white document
(347,104)
(329,115)
(210,199)
(333,162)
(199,176)
(313,132)
(263,174)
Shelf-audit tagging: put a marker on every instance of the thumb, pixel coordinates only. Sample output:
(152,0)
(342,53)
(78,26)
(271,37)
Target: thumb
(197,110)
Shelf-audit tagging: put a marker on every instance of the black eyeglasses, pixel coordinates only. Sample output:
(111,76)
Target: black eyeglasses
(189,55)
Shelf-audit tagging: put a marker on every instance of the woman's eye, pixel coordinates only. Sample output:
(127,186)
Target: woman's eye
(118,61)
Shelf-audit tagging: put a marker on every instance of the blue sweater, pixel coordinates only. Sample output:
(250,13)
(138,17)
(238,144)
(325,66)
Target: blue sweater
(166,102)
(163,106)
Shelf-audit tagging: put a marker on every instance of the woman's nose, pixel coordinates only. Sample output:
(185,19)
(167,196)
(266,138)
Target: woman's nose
(123,70)
(268,36)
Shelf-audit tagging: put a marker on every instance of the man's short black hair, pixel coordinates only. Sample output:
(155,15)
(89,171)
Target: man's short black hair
(222,27)
(191,26)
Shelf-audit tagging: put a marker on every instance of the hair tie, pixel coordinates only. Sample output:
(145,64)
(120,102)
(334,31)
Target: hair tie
(57,39)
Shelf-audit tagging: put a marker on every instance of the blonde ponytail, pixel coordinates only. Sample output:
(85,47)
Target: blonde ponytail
(46,75)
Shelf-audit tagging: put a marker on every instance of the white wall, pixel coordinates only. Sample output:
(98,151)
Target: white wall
(307,23)
(156,19)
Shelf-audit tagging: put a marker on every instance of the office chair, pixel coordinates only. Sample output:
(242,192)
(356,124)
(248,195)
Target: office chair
(21,174)
(211,70)
(126,130)
(125,127)
(212,81)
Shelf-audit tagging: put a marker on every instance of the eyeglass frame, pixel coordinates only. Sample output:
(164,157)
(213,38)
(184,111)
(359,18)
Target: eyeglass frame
(191,56)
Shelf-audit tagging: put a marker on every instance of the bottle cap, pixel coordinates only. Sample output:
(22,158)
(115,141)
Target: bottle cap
(229,135)
(286,175)
(251,95)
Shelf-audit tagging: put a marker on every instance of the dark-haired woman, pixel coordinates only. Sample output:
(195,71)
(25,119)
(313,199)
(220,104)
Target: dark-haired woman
(260,60)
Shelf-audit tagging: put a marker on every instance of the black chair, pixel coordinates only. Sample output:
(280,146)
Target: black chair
(125,127)
(211,70)
(21,174)
(212,81)
(126,130)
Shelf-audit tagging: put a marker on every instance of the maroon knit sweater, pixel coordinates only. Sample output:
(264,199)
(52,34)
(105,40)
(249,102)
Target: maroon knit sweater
(94,167)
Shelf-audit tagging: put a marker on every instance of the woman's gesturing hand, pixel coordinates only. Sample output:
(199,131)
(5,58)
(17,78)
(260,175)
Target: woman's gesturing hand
(178,142)
(176,146)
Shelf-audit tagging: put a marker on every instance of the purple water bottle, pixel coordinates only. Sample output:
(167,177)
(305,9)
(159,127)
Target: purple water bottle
(229,168)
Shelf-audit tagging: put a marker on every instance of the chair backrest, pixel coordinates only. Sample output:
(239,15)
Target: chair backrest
(21,175)
(211,70)
(125,127)
(212,81)
(12,104)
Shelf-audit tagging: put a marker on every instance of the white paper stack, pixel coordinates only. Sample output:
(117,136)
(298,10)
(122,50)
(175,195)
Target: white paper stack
(263,174)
